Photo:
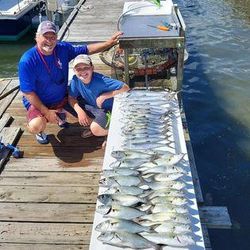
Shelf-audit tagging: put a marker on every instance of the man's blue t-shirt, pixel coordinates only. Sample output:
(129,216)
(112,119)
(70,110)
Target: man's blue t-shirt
(89,92)
(47,76)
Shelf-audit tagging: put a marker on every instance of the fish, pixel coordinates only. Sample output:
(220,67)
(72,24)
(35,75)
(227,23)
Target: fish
(121,199)
(128,163)
(175,228)
(175,185)
(179,218)
(169,239)
(164,192)
(165,159)
(119,212)
(177,201)
(117,181)
(114,225)
(150,146)
(167,177)
(162,216)
(119,171)
(171,169)
(129,154)
(124,239)
(132,190)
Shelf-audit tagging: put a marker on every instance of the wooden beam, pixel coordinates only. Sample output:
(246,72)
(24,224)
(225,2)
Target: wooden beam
(48,233)
(9,136)
(215,217)
(47,212)
(5,121)
(11,246)
(52,194)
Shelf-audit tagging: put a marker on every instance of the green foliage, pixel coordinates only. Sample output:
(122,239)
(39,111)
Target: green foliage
(156,2)
(108,114)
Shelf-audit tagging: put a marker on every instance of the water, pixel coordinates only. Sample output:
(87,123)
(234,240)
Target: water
(11,52)
(216,96)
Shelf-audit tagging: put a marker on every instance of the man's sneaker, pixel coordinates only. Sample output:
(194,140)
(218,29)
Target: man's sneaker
(42,138)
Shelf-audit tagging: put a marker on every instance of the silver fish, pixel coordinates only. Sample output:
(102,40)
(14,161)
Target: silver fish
(119,171)
(175,228)
(132,190)
(179,201)
(175,185)
(124,239)
(168,177)
(129,154)
(165,192)
(169,239)
(161,169)
(114,225)
(121,199)
(120,212)
(117,181)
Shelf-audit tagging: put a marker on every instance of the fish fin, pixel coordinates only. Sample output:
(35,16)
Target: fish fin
(153,227)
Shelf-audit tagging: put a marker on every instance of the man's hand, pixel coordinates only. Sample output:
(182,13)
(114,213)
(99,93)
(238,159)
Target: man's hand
(83,118)
(114,39)
(51,116)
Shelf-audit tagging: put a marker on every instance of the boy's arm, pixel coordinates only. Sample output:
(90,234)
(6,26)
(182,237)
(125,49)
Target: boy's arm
(83,118)
(100,99)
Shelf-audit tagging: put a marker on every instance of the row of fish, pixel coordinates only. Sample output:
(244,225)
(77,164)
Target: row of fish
(144,204)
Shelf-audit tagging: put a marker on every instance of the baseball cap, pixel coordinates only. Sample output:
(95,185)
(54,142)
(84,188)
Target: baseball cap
(82,59)
(46,26)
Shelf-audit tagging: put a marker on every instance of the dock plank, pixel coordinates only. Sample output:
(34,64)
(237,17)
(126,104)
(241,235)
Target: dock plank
(92,17)
(51,194)
(43,212)
(10,246)
(53,165)
(50,233)
(49,179)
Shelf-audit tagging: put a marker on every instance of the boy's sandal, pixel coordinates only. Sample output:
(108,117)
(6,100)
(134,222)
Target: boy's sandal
(86,133)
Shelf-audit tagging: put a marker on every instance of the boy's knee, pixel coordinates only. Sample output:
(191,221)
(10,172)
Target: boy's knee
(97,130)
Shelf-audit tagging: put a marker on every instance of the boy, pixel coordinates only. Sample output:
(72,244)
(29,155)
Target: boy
(91,95)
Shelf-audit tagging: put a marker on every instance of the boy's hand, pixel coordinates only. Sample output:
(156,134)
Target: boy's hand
(83,118)
(100,99)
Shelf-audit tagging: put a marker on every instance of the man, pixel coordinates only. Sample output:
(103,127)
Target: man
(91,95)
(43,75)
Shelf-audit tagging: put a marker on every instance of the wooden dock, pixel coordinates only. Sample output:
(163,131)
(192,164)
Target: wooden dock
(47,198)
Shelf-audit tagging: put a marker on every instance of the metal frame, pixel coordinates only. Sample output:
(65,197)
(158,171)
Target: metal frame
(176,42)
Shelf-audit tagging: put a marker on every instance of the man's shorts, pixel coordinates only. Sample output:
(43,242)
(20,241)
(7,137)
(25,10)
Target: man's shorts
(33,112)
(98,115)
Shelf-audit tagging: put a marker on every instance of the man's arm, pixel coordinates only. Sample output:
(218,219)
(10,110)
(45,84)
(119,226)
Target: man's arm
(83,118)
(100,99)
(49,114)
(98,47)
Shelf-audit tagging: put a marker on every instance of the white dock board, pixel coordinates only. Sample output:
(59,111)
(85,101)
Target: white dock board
(95,21)
(114,143)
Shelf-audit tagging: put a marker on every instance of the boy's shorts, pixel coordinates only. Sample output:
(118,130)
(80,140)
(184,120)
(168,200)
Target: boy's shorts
(98,115)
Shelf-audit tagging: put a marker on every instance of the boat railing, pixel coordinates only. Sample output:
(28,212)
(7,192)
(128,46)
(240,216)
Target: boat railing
(14,8)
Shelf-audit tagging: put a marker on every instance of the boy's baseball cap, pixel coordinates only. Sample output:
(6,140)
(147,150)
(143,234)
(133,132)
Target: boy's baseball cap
(46,26)
(82,59)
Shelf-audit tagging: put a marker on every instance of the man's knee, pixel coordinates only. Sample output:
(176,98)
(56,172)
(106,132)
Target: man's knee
(97,130)
(37,125)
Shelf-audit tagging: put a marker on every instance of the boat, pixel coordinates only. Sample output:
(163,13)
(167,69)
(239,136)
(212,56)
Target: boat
(16,17)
